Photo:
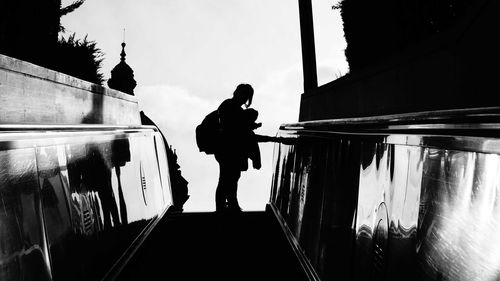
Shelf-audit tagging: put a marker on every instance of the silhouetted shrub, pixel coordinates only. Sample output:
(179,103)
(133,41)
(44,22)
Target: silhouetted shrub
(79,58)
(376,29)
(29,30)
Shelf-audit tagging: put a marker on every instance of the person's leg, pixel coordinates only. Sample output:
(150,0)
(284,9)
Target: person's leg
(232,188)
(221,192)
(227,187)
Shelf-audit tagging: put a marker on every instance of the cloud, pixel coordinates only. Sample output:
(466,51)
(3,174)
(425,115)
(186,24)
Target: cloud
(174,104)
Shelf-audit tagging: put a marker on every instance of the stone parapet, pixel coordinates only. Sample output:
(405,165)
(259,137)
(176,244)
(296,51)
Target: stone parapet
(30,94)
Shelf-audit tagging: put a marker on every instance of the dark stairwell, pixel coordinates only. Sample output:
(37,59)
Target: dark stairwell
(213,246)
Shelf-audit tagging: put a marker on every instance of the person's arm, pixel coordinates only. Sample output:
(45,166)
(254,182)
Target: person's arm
(256,125)
(261,138)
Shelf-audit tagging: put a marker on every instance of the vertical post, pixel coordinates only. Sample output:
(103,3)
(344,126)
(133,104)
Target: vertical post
(308,48)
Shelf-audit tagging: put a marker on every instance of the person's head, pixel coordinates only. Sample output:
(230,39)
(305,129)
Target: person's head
(243,94)
(251,114)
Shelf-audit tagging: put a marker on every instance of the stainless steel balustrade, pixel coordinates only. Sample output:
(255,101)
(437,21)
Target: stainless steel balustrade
(77,200)
(378,199)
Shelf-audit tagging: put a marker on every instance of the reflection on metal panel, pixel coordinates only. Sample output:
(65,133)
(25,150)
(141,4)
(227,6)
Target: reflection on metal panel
(56,202)
(391,207)
(23,254)
(313,188)
(283,178)
(162,163)
(384,205)
(85,193)
(460,214)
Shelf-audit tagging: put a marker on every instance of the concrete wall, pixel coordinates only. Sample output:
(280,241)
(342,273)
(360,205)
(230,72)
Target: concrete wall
(453,71)
(30,94)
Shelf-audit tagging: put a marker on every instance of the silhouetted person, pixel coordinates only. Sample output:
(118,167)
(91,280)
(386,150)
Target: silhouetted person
(231,157)
(237,143)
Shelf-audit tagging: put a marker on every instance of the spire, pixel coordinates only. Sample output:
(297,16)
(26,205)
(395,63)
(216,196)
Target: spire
(122,54)
(122,76)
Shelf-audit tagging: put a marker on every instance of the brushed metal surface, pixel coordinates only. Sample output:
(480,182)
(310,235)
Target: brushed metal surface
(72,203)
(391,205)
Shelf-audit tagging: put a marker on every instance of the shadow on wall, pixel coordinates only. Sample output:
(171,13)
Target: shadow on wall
(95,116)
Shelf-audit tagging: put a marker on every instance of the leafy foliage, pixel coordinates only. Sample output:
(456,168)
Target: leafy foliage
(80,58)
(375,30)
(30,32)
(69,9)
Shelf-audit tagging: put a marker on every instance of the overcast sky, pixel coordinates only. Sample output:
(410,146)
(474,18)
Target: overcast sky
(189,55)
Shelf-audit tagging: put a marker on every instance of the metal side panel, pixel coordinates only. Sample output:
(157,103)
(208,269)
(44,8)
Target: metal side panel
(94,195)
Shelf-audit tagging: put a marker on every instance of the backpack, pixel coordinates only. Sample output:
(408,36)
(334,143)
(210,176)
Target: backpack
(208,133)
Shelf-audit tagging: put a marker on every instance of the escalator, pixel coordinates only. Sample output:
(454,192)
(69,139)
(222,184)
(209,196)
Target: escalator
(213,246)
(92,203)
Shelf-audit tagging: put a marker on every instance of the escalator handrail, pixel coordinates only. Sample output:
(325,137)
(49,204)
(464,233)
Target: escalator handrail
(5,128)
